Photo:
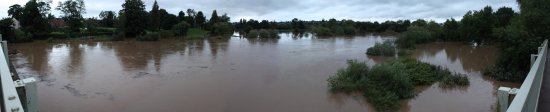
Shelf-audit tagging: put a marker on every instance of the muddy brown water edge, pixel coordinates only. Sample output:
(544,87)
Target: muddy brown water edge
(235,75)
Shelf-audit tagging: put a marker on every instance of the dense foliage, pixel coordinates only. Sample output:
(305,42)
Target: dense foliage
(33,20)
(72,14)
(520,39)
(132,18)
(385,84)
(382,49)
(263,33)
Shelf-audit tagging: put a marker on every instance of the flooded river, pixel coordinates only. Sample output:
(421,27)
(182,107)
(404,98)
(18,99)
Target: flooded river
(234,75)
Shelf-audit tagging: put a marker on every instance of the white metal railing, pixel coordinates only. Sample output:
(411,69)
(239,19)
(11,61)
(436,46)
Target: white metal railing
(527,97)
(10,97)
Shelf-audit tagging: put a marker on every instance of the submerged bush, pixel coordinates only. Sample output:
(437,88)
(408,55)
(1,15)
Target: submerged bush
(385,84)
(117,37)
(382,49)
(455,80)
(252,34)
(321,31)
(181,28)
(348,79)
(166,33)
(263,33)
(153,36)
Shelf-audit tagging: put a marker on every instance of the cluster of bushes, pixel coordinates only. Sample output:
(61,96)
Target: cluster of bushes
(414,35)
(385,84)
(347,30)
(382,49)
(263,33)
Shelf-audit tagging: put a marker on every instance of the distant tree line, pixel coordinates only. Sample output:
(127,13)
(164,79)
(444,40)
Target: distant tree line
(130,22)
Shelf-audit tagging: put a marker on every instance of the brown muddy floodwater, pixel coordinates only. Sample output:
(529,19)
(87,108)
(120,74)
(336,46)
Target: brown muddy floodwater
(234,75)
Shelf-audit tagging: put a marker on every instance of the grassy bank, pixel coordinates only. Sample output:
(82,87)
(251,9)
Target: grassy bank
(195,33)
(384,85)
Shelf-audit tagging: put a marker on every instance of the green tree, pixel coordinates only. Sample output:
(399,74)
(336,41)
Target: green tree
(181,16)
(181,28)
(72,13)
(167,20)
(155,17)
(15,11)
(132,18)
(108,18)
(6,28)
(44,7)
(419,22)
(478,25)
(32,21)
(503,16)
(435,30)
(201,19)
(520,39)
(191,17)
(450,30)
(214,18)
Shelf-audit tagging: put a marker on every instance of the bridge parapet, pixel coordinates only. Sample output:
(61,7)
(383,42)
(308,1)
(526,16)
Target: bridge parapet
(527,96)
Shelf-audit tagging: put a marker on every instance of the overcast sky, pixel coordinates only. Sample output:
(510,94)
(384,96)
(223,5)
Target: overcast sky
(284,10)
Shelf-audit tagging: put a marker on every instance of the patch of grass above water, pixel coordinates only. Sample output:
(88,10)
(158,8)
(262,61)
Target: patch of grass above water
(384,85)
(195,33)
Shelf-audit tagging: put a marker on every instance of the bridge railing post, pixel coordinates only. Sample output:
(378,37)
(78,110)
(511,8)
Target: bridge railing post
(503,97)
(5,48)
(533,59)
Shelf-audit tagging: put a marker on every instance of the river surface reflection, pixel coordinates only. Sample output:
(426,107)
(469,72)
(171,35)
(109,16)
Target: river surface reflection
(233,75)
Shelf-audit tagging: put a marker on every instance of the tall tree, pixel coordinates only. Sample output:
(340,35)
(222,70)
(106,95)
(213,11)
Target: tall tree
(72,13)
(520,39)
(214,18)
(535,17)
(15,11)
(44,7)
(155,17)
(108,18)
(32,21)
(200,18)
(132,18)
(191,17)
(450,30)
(167,20)
(181,16)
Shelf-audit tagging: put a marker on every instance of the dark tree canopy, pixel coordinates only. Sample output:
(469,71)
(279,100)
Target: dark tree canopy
(108,18)
(181,16)
(15,11)
(32,20)
(450,29)
(191,14)
(503,16)
(214,18)
(167,20)
(200,18)
(133,17)
(155,17)
(72,13)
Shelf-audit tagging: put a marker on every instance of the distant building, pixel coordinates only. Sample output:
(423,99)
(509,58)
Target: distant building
(57,23)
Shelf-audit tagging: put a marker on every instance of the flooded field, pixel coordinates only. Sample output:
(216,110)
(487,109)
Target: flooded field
(235,75)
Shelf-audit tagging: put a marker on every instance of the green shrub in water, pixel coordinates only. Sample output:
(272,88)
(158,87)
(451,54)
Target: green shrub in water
(384,85)
(382,49)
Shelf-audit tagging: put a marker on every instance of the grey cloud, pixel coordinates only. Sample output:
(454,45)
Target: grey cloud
(283,10)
